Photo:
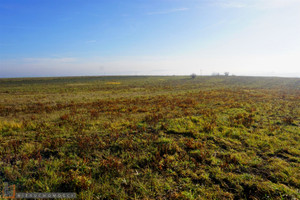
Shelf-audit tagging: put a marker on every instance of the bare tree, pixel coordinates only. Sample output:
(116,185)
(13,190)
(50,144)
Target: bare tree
(226,73)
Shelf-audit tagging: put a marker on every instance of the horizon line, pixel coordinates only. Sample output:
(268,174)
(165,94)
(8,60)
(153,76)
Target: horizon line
(143,75)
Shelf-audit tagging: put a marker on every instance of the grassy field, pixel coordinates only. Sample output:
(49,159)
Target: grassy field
(152,137)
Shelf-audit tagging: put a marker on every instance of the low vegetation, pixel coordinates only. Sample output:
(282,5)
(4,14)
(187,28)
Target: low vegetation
(152,137)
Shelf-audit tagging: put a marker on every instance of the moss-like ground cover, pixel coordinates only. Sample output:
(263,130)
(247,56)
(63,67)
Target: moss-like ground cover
(152,137)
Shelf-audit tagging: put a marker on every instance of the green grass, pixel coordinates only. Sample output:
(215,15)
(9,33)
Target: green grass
(152,137)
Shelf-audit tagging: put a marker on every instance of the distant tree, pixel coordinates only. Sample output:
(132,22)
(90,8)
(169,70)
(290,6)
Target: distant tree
(215,74)
(226,73)
(193,75)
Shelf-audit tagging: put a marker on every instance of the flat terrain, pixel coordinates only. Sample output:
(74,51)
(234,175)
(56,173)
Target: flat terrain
(152,137)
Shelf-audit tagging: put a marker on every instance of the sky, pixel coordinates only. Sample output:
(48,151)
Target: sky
(42,38)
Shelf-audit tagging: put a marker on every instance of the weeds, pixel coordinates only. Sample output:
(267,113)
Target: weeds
(144,138)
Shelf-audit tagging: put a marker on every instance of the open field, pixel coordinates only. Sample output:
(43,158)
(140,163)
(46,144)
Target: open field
(152,137)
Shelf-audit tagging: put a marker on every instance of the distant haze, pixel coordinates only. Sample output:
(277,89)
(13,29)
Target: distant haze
(157,37)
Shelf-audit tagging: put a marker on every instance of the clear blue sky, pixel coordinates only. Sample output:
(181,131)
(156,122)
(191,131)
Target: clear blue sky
(118,37)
